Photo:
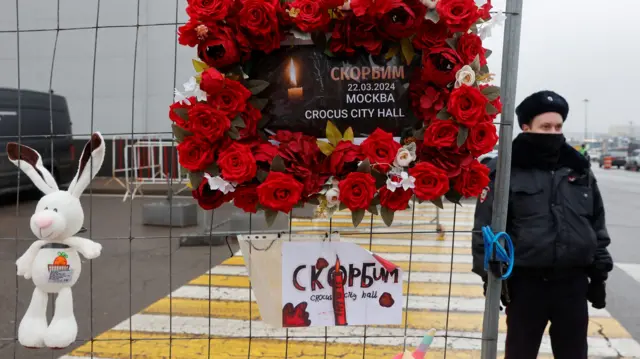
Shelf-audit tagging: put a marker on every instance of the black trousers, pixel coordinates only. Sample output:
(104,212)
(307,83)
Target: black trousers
(536,300)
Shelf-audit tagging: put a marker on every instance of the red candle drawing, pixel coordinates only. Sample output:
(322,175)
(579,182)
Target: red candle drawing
(339,307)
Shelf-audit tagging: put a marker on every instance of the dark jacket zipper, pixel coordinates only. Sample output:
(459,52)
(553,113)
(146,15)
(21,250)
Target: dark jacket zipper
(552,199)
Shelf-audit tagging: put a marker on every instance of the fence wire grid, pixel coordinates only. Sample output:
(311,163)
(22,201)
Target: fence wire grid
(149,295)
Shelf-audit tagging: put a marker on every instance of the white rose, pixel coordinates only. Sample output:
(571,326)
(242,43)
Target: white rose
(403,158)
(332,196)
(465,76)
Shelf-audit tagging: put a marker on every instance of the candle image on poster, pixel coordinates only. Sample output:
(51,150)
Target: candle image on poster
(308,88)
(338,284)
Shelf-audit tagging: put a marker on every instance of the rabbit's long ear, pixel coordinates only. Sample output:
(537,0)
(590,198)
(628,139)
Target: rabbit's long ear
(90,163)
(30,162)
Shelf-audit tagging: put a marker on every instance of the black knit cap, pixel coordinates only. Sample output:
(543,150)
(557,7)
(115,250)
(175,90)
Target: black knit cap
(539,103)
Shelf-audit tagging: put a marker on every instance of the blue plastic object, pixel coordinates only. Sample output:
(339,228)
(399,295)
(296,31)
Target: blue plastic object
(491,241)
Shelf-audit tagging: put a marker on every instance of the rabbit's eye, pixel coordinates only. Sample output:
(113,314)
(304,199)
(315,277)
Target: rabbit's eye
(55,210)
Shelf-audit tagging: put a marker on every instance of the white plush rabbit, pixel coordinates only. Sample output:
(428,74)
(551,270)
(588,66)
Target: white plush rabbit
(52,261)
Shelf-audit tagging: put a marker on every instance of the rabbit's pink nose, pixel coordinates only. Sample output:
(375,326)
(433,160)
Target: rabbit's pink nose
(43,223)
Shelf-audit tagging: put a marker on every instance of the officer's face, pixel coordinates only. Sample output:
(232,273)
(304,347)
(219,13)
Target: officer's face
(549,122)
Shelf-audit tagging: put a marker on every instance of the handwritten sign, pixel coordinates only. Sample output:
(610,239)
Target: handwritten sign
(336,284)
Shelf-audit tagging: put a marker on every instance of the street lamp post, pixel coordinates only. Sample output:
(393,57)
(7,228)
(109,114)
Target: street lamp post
(586,110)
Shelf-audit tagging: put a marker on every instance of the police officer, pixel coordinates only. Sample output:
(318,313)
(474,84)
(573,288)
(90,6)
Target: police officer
(556,220)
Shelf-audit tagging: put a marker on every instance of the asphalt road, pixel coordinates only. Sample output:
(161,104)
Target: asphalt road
(141,264)
(128,276)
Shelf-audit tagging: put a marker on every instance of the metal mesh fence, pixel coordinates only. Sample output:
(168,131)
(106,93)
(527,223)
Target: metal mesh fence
(150,295)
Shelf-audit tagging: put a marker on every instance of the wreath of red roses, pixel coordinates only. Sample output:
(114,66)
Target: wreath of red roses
(218,123)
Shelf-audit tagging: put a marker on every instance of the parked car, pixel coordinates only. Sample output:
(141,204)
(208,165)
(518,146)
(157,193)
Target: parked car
(618,158)
(44,125)
(633,161)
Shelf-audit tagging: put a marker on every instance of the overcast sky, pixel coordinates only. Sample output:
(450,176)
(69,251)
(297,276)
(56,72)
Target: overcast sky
(580,49)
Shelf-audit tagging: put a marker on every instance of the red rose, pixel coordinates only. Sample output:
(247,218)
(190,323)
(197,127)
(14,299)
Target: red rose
(441,134)
(440,65)
(231,99)
(279,192)
(246,198)
(482,138)
(344,158)
(472,179)
(342,39)
(251,117)
(209,10)
(431,181)
(365,34)
(300,152)
(469,46)
(179,121)
(357,190)
(312,16)
(467,105)
(188,34)
(381,149)
(485,10)
(459,15)
(374,8)
(220,49)
(402,20)
(426,99)
(195,153)
(208,122)
(258,20)
(430,35)
(212,81)
(207,198)
(264,152)
(237,164)
(448,159)
(397,200)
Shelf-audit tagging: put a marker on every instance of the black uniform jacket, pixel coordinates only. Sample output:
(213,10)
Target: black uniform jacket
(556,219)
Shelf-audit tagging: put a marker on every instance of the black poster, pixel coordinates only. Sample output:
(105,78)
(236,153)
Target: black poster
(308,88)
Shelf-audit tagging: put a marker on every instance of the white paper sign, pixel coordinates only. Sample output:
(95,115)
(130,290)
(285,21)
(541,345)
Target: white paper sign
(368,292)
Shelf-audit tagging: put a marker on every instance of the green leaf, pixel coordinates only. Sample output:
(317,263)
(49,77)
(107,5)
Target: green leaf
(199,66)
(453,196)
(438,202)
(365,166)
(475,65)
(387,215)
(261,175)
(407,50)
(258,103)
(213,170)
(257,86)
(357,216)
(313,200)
(342,206)
(474,29)
(277,164)
(182,112)
(333,134)
(433,16)
(452,42)
(270,216)
(180,132)
(491,109)
(233,133)
(348,135)
(419,134)
(463,133)
(329,53)
(238,122)
(195,178)
(381,178)
(376,201)
(487,53)
(373,209)
(325,147)
(491,92)
(443,114)
(391,53)
(484,69)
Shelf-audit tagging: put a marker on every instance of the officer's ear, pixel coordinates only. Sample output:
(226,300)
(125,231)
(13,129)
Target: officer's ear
(526,128)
